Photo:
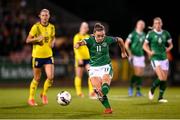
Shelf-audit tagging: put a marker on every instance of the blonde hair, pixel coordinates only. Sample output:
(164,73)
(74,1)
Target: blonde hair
(44,10)
(155,19)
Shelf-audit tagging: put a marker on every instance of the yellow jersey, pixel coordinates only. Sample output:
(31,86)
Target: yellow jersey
(82,52)
(48,32)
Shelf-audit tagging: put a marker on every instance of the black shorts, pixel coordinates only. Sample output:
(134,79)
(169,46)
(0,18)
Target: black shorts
(39,62)
(85,62)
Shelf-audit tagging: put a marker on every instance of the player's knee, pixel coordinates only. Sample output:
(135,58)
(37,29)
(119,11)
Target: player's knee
(106,79)
(160,77)
(37,78)
(50,77)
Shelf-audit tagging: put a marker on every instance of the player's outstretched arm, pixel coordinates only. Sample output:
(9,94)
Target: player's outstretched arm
(122,46)
(80,43)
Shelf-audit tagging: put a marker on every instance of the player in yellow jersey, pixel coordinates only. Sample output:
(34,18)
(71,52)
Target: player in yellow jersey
(42,37)
(82,61)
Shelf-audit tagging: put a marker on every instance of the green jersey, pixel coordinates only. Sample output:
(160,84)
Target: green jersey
(99,52)
(157,42)
(136,42)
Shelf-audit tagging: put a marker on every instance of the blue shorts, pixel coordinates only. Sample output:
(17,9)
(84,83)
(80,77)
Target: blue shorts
(39,62)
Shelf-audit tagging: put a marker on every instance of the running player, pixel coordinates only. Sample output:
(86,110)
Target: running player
(82,61)
(100,71)
(42,37)
(134,44)
(155,46)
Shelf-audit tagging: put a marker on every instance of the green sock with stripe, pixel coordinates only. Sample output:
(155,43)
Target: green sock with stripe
(138,83)
(155,84)
(105,102)
(132,81)
(162,87)
(105,89)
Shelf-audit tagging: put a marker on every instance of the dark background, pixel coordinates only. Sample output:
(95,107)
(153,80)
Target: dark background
(121,15)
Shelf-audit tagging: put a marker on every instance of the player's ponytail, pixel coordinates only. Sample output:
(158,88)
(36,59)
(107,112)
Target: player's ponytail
(98,27)
(155,19)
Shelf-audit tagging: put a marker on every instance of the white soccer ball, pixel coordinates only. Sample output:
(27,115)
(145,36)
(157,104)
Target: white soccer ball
(63,98)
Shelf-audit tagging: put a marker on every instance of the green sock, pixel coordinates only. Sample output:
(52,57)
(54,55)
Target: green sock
(105,89)
(162,87)
(156,83)
(138,83)
(105,102)
(133,80)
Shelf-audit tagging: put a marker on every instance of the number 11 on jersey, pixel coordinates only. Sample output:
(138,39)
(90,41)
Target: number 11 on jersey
(98,48)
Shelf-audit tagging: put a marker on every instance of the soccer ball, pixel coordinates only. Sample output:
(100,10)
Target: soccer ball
(63,98)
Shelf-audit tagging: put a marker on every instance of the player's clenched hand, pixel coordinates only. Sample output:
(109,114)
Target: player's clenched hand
(40,40)
(76,45)
(124,55)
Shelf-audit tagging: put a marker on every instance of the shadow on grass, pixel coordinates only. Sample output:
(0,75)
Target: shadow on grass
(15,106)
(148,103)
(83,115)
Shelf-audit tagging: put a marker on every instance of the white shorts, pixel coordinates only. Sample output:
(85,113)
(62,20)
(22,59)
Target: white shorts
(100,71)
(138,61)
(164,64)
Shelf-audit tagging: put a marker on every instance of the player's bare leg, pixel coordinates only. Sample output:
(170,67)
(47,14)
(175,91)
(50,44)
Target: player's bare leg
(92,94)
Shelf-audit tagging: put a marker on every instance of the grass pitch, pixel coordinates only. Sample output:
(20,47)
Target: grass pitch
(13,104)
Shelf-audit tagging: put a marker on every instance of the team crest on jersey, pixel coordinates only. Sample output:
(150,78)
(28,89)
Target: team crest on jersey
(104,44)
(141,39)
(159,40)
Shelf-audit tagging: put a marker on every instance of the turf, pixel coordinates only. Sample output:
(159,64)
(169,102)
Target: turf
(13,104)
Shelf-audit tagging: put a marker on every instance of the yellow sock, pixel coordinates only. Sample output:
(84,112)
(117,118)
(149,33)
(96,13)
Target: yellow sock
(90,87)
(33,87)
(78,85)
(47,84)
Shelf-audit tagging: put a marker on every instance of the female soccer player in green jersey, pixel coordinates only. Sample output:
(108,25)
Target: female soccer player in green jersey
(100,71)
(155,46)
(134,44)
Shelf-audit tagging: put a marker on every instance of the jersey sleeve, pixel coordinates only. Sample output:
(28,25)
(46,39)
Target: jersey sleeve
(33,30)
(111,40)
(148,38)
(87,41)
(76,51)
(169,38)
(129,38)
(53,31)
(75,39)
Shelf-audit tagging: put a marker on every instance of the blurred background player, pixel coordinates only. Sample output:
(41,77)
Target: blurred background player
(134,44)
(101,71)
(82,61)
(42,37)
(156,47)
